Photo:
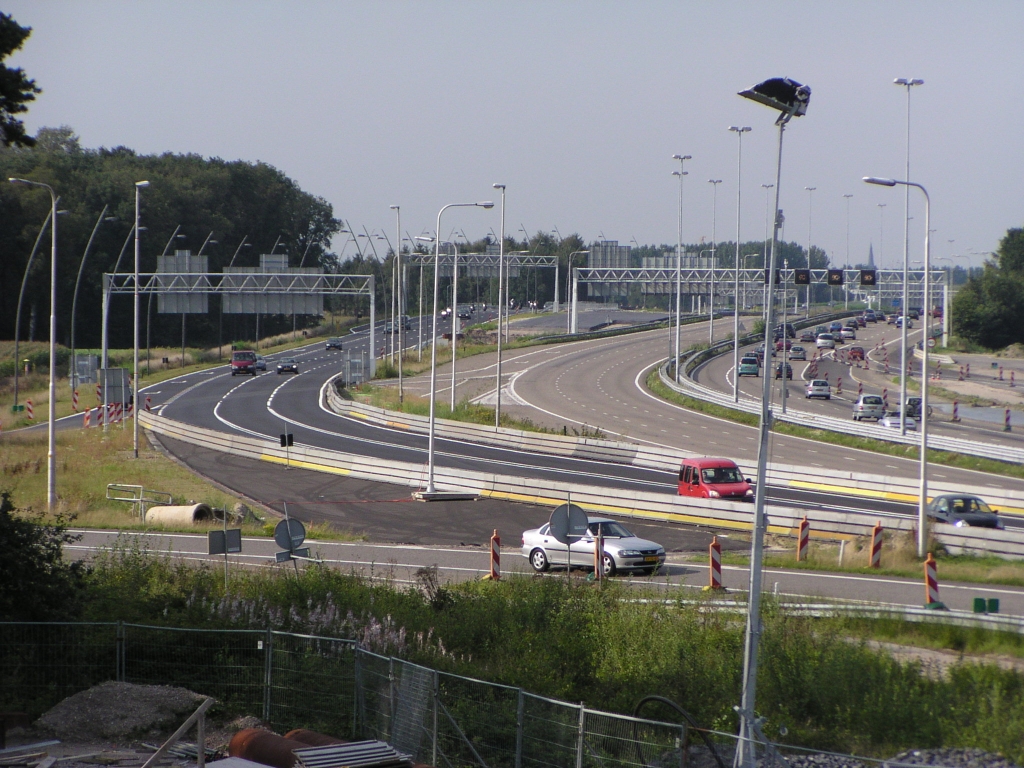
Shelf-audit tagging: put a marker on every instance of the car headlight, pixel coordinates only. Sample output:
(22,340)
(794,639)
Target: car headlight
(959,523)
(714,494)
(750,492)
(629,553)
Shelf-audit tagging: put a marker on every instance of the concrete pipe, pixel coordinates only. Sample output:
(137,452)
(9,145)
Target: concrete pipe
(183,515)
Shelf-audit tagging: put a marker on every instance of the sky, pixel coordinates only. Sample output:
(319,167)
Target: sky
(577,107)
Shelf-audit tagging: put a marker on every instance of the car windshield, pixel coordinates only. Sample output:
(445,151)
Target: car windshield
(969,506)
(819,383)
(288,361)
(611,530)
(872,400)
(721,475)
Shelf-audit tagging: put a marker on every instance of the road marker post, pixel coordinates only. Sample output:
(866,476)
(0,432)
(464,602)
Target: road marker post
(1000,373)
(876,545)
(1006,421)
(931,585)
(495,572)
(599,556)
(149,402)
(74,401)
(839,385)
(967,371)
(1012,382)
(28,410)
(956,411)
(803,538)
(85,418)
(860,388)
(885,398)
(99,394)
(714,567)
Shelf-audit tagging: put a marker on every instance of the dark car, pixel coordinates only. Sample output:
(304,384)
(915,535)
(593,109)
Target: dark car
(807,336)
(789,371)
(333,343)
(963,509)
(288,365)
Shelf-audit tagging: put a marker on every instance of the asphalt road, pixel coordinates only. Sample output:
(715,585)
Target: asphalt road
(400,563)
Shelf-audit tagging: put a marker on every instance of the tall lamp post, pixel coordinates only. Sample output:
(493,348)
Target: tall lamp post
(51,450)
(739,131)
(401,292)
(767,214)
(714,252)
(501,269)
(679,257)
(74,298)
(810,208)
(135,346)
(791,99)
(431,490)
(922,501)
(21,297)
(908,83)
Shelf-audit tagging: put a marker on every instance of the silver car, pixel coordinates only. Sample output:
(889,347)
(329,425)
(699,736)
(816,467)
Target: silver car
(622,550)
(892,421)
(818,388)
(798,353)
(868,407)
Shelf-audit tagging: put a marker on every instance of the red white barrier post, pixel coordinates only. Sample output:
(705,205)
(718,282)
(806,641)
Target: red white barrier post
(714,566)
(860,388)
(931,584)
(599,556)
(85,418)
(28,410)
(956,410)
(876,545)
(1006,421)
(495,573)
(803,539)
(149,402)
(99,394)
(74,401)
(839,385)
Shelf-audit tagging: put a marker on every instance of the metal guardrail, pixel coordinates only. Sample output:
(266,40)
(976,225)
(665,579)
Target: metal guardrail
(137,496)
(688,386)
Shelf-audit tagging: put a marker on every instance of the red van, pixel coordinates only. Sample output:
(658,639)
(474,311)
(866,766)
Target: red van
(713,479)
(243,361)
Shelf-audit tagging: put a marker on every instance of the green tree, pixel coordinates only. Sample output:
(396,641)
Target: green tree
(16,90)
(36,583)
(989,309)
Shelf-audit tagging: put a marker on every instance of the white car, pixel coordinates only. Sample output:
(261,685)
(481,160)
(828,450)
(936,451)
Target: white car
(622,550)
(798,353)
(892,421)
(848,334)
(818,388)
(826,341)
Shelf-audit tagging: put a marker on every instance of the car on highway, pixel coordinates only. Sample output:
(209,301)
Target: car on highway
(835,326)
(779,369)
(963,509)
(892,318)
(818,388)
(914,407)
(870,316)
(709,478)
(900,320)
(855,353)
(288,365)
(868,407)
(622,550)
(797,353)
(748,367)
(261,363)
(826,341)
(892,421)
(807,336)
(862,322)
(786,329)
(848,334)
(780,343)
(243,361)
(333,343)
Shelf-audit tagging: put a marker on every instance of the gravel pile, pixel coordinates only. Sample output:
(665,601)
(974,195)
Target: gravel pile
(953,758)
(117,710)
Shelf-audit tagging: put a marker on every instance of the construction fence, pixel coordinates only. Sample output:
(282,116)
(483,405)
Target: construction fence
(334,686)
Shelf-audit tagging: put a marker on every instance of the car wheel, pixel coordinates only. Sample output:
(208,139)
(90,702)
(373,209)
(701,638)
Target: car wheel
(607,565)
(539,560)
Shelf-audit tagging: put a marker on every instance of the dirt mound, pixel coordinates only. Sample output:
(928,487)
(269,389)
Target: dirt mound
(1015,351)
(116,710)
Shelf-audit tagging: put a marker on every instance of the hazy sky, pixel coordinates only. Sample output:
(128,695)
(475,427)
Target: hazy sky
(576,106)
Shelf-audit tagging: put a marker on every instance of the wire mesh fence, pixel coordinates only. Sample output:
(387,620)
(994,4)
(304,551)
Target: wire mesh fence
(332,685)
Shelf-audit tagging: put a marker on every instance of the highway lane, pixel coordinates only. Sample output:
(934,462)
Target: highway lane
(400,564)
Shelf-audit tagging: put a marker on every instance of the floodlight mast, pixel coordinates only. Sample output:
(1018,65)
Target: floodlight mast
(791,99)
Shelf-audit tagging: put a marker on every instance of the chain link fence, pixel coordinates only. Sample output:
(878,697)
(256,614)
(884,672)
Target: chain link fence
(333,686)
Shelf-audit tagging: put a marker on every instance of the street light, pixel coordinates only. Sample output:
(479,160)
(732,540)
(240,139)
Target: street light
(21,297)
(714,252)
(501,304)
(572,297)
(401,292)
(51,455)
(810,207)
(431,490)
(908,83)
(74,299)
(922,501)
(791,99)
(135,347)
(736,275)
(679,257)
